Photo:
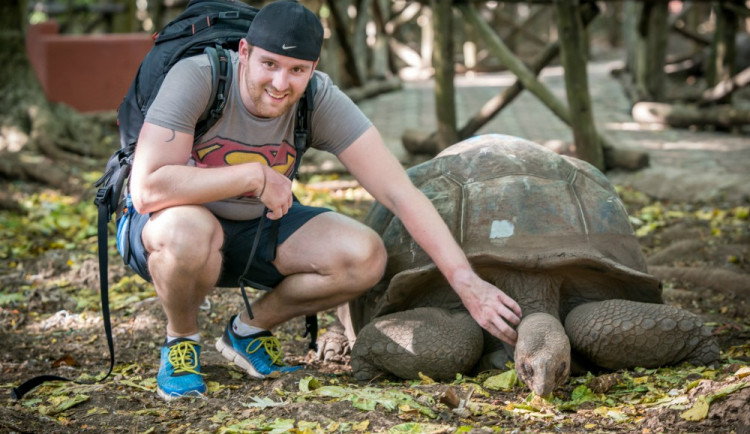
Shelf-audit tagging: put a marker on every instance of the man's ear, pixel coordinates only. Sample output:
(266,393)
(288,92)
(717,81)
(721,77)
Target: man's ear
(243,49)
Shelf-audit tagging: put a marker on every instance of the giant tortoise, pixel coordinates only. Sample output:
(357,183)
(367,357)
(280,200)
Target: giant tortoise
(552,233)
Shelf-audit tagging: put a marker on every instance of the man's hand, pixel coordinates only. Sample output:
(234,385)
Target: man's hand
(275,193)
(490,307)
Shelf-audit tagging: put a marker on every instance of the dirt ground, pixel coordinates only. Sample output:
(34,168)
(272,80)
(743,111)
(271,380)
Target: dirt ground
(701,251)
(50,323)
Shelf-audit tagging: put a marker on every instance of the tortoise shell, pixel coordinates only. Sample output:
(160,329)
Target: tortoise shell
(513,204)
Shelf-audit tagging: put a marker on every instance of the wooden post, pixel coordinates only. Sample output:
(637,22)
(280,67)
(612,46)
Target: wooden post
(443,62)
(515,65)
(529,80)
(723,48)
(381,61)
(656,50)
(360,40)
(498,102)
(341,31)
(574,59)
(648,47)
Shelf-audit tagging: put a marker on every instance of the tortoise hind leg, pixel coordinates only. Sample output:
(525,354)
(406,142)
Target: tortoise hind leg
(430,340)
(617,334)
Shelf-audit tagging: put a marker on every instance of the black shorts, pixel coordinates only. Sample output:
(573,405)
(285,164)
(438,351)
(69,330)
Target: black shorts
(238,241)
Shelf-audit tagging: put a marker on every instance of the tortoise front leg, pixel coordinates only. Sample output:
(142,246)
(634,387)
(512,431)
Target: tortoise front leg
(616,334)
(430,340)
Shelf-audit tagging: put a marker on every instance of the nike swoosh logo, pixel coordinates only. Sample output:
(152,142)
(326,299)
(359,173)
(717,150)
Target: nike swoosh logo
(288,47)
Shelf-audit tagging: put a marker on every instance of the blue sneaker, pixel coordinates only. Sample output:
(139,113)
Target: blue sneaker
(258,354)
(180,370)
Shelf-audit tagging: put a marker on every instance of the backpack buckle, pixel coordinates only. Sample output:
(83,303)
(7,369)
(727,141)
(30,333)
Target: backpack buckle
(102,196)
(229,15)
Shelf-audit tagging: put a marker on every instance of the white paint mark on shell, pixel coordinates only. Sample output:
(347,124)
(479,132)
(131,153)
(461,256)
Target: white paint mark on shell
(501,229)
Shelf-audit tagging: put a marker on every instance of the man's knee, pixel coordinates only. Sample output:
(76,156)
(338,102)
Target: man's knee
(188,234)
(366,260)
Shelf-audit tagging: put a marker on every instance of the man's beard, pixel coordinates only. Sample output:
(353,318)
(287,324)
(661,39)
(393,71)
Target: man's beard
(266,109)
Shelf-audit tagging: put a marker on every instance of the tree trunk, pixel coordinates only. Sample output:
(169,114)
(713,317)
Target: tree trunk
(683,116)
(723,48)
(39,142)
(573,49)
(349,62)
(524,74)
(18,86)
(442,59)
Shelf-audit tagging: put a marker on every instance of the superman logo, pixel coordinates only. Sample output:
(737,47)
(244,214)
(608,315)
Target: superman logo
(219,152)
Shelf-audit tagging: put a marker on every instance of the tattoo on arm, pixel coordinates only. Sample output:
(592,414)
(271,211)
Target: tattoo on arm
(173,136)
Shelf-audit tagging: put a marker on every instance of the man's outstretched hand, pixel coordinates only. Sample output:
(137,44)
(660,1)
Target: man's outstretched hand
(490,307)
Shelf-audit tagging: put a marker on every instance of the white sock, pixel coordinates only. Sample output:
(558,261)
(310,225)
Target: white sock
(242,329)
(196,337)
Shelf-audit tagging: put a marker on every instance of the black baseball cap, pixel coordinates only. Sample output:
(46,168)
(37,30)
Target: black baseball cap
(287,28)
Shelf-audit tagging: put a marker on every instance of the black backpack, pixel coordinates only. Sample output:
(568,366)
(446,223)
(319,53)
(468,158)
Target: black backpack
(205,26)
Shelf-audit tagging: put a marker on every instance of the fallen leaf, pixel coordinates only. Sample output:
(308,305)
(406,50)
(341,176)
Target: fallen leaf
(698,411)
(66,360)
(425,379)
(742,372)
(263,403)
(505,381)
(362,426)
(62,403)
(308,384)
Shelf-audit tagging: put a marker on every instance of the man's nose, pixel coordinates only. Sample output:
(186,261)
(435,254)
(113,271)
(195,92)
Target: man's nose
(280,80)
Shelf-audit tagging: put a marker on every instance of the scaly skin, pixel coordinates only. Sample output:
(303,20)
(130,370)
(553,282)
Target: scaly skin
(616,334)
(429,340)
(543,353)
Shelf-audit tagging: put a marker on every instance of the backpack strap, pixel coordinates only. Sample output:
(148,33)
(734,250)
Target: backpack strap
(221,71)
(108,201)
(104,199)
(302,142)
(303,120)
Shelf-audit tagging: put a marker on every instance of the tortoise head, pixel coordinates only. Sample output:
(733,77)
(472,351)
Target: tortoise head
(542,353)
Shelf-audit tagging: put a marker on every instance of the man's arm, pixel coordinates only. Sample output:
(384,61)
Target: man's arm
(161,177)
(371,163)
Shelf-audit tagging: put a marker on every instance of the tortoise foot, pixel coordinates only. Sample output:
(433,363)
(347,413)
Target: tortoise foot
(430,340)
(617,334)
(333,345)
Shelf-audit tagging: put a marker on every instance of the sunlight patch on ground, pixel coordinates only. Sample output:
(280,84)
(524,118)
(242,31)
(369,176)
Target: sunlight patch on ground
(64,320)
(634,126)
(701,145)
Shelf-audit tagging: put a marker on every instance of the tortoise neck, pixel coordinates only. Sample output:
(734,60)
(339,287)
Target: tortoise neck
(533,291)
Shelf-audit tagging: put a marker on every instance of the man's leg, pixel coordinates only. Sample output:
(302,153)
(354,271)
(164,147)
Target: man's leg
(184,261)
(330,260)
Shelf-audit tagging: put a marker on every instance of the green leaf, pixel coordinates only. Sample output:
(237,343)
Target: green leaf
(505,381)
(281,426)
(13,297)
(698,411)
(66,403)
(331,391)
(418,428)
(308,384)
(368,398)
(263,403)
(582,394)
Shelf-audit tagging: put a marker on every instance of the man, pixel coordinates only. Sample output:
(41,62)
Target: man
(199,206)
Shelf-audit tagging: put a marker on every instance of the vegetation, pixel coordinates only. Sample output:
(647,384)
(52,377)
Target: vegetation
(50,313)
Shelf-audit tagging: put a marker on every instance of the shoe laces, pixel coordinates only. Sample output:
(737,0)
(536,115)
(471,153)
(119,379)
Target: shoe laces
(271,345)
(184,357)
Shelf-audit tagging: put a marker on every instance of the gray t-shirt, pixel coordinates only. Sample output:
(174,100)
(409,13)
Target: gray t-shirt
(241,137)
